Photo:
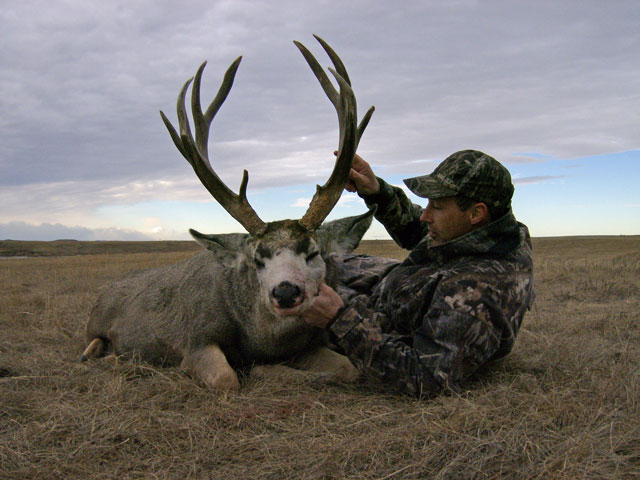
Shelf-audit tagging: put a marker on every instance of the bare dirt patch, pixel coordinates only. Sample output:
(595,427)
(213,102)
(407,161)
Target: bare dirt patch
(565,404)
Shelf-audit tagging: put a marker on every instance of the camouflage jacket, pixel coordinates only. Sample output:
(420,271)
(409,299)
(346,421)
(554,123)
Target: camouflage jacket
(446,309)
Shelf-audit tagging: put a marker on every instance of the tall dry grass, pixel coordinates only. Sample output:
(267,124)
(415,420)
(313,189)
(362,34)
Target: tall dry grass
(565,404)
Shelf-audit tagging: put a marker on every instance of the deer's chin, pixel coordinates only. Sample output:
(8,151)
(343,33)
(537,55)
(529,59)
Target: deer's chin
(294,311)
(288,312)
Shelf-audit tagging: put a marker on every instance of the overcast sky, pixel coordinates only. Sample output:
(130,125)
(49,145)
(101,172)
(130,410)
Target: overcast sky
(549,88)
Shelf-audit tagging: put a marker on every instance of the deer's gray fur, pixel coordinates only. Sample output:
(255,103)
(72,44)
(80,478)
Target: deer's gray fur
(171,315)
(239,302)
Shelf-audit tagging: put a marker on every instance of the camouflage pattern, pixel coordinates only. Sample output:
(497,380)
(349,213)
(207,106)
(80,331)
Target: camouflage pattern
(471,173)
(398,214)
(424,324)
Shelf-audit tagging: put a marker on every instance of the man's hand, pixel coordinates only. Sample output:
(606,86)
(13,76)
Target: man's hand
(324,308)
(361,178)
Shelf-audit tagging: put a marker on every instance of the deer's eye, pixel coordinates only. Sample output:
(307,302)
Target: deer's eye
(312,255)
(259,263)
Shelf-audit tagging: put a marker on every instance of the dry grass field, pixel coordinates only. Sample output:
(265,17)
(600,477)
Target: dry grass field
(564,405)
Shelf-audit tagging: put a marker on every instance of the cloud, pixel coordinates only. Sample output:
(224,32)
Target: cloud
(301,203)
(536,179)
(346,199)
(82,83)
(90,94)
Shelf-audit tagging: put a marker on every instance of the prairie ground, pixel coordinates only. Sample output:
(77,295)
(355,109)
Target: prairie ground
(565,404)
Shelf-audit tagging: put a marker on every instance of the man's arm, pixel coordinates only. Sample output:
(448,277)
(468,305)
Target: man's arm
(385,356)
(400,217)
(455,338)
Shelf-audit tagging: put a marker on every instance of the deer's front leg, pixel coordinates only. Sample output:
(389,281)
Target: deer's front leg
(323,359)
(211,366)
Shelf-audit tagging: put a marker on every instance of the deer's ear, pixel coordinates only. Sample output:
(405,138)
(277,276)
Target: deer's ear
(344,235)
(225,246)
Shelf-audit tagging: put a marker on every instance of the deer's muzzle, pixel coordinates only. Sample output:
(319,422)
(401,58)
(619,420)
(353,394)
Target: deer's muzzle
(286,295)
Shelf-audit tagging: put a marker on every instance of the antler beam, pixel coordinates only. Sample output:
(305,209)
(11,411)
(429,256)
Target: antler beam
(196,152)
(344,101)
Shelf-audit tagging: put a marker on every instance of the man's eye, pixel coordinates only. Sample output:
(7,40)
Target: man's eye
(313,255)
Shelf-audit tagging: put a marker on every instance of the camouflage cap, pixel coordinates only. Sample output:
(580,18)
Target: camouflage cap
(471,173)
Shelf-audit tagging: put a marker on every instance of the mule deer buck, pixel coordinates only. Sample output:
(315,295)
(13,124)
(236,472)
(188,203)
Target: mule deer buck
(238,302)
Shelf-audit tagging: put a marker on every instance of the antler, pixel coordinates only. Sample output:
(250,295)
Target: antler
(196,152)
(327,196)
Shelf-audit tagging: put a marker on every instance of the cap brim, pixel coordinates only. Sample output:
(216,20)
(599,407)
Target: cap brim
(426,186)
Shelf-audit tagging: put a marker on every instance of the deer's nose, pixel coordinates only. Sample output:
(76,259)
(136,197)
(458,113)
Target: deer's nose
(286,294)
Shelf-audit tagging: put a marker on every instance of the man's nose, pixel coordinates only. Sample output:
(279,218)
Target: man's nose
(425,216)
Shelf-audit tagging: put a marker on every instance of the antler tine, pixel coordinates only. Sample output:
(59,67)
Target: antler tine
(177,140)
(318,71)
(337,62)
(327,196)
(364,122)
(196,152)
(326,83)
(203,122)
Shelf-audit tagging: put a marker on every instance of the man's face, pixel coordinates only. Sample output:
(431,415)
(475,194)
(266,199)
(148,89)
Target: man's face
(445,219)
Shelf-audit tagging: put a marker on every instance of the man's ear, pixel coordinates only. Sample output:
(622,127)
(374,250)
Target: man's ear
(479,214)
(225,246)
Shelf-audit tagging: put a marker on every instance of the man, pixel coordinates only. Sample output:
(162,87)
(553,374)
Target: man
(457,300)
